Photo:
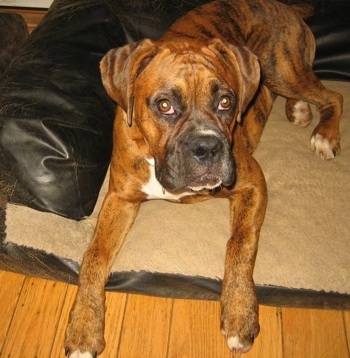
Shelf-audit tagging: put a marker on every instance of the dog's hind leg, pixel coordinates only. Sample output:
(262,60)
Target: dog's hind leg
(325,137)
(289,74)
(303,85)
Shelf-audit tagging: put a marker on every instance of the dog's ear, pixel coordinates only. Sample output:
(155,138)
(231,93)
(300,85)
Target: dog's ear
(245,66)
(120,68)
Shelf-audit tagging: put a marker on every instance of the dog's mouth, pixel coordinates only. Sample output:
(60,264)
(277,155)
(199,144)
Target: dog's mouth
(206,183)
(198,180)
(206,188)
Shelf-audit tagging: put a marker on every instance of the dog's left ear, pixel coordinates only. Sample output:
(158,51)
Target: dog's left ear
(119,69)
(245,66)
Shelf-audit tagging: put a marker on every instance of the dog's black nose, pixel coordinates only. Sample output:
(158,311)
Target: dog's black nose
(206,149)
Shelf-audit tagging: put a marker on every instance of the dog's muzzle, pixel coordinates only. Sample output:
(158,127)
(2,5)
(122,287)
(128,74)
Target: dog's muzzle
(197,160)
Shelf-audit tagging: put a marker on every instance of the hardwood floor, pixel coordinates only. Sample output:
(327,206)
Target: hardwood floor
(34,314)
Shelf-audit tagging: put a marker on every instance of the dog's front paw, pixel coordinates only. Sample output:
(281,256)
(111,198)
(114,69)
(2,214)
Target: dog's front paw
(325,148)
(78,354)
(80,344)
(240,325)
(84,334)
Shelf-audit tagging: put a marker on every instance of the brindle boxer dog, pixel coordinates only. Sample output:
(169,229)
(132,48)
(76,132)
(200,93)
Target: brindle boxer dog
(192,107)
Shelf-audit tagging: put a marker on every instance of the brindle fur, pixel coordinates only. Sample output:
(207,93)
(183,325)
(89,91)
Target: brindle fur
(285,49)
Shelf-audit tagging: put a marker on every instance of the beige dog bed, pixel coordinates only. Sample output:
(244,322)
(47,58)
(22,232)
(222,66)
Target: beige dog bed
(305,239)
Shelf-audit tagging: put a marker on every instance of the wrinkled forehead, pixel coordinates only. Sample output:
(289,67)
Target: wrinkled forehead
(192,70)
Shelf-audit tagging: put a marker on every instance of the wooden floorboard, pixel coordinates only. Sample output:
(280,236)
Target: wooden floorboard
(10,290)
(145,329)
(37,314)
(314,333)
(34,315)
(346,316)
(57,344)
(195,330)
(270,339)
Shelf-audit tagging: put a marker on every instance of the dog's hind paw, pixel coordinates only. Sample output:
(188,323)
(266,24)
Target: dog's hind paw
(298,112)
(322,147)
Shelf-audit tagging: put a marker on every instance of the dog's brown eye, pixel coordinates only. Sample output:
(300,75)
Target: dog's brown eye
(225,103)
(165,107)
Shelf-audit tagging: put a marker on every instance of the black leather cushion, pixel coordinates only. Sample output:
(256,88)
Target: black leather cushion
(332,46)
(55,116)
(13,33)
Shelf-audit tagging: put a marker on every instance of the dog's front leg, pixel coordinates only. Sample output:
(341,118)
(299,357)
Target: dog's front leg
(85,331)
(239,306)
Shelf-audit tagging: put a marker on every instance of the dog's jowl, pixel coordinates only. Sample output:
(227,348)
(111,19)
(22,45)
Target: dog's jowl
(191,109)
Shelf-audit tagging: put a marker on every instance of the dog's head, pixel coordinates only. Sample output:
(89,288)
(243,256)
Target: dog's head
(185,100)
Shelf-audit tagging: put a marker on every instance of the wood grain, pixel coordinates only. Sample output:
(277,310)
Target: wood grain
(145,328)
(313,333)
(195,330)
(34,315)
(57,349)
(269,342)
(34,324)
(10,289)
(346,316)
(115,303)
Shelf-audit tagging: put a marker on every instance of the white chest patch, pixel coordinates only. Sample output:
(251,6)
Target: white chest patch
(154,190)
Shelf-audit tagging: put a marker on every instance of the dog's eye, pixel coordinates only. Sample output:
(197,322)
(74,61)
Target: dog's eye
(225,103)
(165,107)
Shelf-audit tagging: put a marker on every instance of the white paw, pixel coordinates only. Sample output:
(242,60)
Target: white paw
(234,344)
(322,147)
(302,114)
(78,354)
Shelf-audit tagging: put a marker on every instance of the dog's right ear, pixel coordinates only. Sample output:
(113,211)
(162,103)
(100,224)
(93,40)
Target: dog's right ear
(244,65)
(119,69)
